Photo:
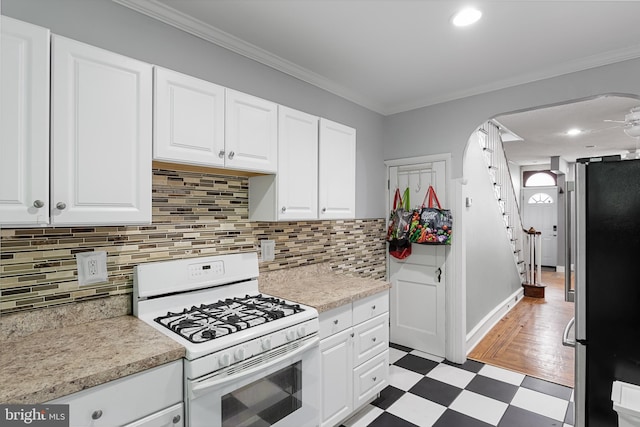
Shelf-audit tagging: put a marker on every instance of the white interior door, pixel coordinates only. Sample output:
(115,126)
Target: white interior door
(418,282)
(540,211)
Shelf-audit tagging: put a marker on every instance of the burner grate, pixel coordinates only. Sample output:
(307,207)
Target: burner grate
(224,317)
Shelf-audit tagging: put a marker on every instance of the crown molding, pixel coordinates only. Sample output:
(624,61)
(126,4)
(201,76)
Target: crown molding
(582,64)
(184,22)
(177,19)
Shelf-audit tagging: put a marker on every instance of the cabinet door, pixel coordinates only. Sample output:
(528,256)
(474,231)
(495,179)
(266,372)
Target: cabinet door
(251,128)
(337,378)
(101,136)
(188,119)
(297,165)
(370,378)
(337,163)
(24,124)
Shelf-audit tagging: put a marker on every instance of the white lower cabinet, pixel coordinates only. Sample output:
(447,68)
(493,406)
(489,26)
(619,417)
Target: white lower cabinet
(152,398)
(354,351)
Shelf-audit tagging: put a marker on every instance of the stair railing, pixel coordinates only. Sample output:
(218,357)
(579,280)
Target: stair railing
(504,192)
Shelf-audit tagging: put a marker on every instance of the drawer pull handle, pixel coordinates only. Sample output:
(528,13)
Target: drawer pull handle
(335,322)
(96,414)
(176,419)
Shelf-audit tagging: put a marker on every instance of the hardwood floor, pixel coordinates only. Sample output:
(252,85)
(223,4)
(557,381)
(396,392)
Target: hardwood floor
(529,338)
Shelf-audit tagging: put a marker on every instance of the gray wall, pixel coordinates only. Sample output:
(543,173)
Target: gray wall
(446,127)
(108,25)
(490,279)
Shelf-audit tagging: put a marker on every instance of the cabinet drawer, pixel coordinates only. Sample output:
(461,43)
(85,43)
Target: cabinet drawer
(370,378)
(127,399)
(170,417)
(370,307)
(335,320)
(370,338)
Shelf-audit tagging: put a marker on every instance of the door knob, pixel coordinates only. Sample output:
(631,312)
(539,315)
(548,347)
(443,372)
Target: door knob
(38,204)
(221,154)
(61,206)
(231,154)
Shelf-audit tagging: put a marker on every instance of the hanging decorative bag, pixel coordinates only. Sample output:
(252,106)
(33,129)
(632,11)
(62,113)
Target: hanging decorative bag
(431,225)
(398,231)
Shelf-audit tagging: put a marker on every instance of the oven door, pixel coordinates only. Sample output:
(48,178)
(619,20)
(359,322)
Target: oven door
(277,388)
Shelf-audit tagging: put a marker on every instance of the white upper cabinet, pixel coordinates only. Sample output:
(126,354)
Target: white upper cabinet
(251,129)
(101,136)
(188,120)
(24,124)
(337,171)
(292,194)
(297,164)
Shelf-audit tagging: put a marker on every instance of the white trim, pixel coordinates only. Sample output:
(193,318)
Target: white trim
(184,22)
(492,319)
(559,268)
(456,298)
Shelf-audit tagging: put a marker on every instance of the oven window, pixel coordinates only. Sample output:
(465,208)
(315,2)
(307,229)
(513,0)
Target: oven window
(266,401)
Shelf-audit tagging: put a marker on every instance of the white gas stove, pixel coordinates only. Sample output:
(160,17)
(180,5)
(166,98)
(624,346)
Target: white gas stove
(233,335)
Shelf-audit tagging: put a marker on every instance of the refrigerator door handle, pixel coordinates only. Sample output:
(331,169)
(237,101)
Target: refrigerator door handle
(581,257)
(565,336)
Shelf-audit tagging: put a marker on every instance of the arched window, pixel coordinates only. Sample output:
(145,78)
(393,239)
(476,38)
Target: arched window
(540,198)
(539,179)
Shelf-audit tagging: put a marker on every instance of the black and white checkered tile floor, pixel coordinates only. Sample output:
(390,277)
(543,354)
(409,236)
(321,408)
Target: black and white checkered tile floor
(424,391)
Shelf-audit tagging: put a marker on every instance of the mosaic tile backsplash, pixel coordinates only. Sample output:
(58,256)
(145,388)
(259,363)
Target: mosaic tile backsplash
(194,214)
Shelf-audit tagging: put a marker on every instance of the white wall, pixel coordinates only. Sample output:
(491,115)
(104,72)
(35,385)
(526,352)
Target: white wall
(491,271)
(114,27)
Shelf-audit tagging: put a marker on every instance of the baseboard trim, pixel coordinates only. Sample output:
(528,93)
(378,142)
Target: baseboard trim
(491,319)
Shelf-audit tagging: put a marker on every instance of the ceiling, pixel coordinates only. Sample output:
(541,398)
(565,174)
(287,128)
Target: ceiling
(544,131)
(392,56)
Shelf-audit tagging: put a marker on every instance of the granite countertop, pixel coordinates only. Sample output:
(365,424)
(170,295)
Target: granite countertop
(53,363)
(318,286)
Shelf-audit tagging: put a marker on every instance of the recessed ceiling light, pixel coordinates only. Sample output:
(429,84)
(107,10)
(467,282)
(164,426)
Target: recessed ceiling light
(574,132)
(466,17)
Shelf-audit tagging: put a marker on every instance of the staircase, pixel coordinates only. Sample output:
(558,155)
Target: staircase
(498,171)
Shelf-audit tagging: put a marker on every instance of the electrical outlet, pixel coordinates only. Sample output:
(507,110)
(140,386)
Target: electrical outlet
(92,267)
(268,250)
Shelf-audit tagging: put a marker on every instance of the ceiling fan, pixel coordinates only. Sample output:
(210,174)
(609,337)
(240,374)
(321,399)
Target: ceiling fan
(631,122)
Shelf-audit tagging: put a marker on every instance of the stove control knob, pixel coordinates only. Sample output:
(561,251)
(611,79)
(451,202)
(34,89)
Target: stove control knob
(239,354)
(291,335)
(266,343)
(225,359)
(302,331)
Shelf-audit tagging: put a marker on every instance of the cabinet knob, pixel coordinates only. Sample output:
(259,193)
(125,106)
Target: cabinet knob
(335,322)
(176,419)
(221,154)
(38,204)
(96,414)
(284,209)
(352,334)
(324,210)
(373,339)
(231,154)
(61,206)
(375,378)
(373,307)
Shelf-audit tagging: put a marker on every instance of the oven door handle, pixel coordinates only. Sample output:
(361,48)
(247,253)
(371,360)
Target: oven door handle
(199,388)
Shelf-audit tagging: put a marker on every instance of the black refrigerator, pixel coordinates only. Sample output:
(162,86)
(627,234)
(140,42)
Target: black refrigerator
(607,305)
